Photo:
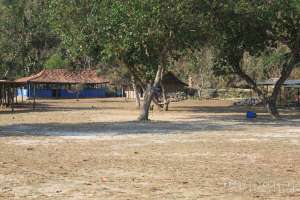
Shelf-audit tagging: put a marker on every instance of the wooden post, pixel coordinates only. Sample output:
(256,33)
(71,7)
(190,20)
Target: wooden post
(12,89)
(286,96)
(122,90)
(22,91)
(298,96)
(1,95)
(33,96)
(16,93)
(29,90)
(4,96)
(8,96)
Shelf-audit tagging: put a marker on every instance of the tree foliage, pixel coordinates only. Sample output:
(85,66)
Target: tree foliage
(26,38)
(250,39)
(140,35)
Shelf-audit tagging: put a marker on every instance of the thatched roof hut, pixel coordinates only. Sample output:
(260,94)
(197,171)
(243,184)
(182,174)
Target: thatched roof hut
(172,83)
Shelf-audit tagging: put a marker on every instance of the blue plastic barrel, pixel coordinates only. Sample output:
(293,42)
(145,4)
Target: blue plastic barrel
(251,115)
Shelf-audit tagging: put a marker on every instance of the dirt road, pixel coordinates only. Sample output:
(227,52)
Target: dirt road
(93,149)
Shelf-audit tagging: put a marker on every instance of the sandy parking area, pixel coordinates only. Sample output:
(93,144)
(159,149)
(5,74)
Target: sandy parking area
(93,149)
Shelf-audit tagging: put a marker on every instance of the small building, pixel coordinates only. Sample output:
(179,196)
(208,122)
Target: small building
(63,83)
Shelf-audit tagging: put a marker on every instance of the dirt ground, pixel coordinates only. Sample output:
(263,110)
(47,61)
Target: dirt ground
(93,149)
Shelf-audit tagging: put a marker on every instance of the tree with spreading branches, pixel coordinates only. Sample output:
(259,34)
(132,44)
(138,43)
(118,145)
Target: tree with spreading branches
(257,28)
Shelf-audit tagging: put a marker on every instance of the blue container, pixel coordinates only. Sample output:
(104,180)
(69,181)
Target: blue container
(251,115)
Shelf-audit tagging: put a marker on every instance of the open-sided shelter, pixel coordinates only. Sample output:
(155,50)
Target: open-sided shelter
(8,93)
(289,92)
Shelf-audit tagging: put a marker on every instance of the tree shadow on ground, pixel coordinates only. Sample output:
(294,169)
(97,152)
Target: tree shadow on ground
(44,107)
(198,119)
(132,127)
(111,128)
(220,109)
(238,114)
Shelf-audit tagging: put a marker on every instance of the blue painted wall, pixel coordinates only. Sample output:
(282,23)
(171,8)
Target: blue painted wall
(42,93)
(47,93)
(93,92)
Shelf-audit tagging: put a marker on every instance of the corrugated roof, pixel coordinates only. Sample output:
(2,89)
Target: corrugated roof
(65,76)
(292,86)
(273,82)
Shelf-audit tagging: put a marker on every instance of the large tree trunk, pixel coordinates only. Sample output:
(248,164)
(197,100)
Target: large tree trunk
(285,73)
(144,114)
(149,93)
(164,96)
(272,108)
(136,92)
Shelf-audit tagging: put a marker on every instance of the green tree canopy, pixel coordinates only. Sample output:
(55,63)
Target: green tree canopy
(26,38)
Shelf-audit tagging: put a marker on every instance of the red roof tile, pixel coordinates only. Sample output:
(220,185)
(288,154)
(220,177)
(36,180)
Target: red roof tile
(65,76)
(28,78)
